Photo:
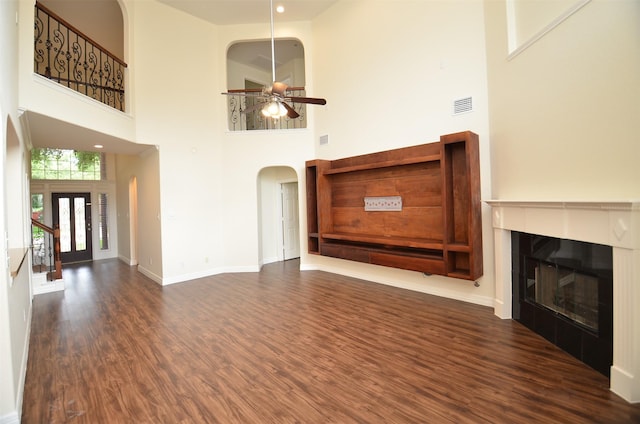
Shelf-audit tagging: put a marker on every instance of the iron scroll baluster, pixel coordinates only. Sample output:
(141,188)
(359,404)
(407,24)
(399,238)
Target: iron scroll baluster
(65,55)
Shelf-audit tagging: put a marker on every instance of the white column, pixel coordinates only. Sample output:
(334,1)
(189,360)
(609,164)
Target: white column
(502,304)
(625,371)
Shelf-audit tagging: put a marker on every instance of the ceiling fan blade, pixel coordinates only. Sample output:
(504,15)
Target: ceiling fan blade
(243,90)
(291,113)
(250,94)
(278,88)
(311,100)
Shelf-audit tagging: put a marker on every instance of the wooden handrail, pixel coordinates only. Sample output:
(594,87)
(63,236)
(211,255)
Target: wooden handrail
(40,225)
(77,31)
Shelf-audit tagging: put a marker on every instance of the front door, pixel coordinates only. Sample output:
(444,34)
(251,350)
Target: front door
(72,212)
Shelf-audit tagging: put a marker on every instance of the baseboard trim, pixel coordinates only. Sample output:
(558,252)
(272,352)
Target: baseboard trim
(208,273)
(468,298)
(12,418)
(128,261)
(625,385)
(48,287)
(148,273)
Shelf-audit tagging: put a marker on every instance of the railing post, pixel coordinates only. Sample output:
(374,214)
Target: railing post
(56,253)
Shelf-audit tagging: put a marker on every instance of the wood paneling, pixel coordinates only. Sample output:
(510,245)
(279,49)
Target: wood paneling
(283,346)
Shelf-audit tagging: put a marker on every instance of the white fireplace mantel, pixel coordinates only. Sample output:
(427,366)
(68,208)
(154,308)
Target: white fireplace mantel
(612,223)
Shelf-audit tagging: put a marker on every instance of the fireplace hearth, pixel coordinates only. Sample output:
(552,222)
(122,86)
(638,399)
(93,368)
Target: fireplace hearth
(563,290)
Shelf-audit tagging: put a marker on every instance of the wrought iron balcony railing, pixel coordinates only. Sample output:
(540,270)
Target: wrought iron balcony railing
(254,120)
(64,54)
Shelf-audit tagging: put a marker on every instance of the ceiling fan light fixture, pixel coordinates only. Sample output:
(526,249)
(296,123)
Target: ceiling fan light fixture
(274,109)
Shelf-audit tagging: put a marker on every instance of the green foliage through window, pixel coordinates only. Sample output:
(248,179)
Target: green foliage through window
(59,164)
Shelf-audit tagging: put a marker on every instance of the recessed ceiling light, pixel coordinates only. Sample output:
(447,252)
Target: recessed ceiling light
(280,9)
(98,146)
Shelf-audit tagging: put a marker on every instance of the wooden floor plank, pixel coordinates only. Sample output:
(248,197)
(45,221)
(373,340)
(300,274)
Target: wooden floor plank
(284,346)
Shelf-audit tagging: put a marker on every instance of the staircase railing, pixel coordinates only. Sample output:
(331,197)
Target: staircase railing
(46,250)
(64,54)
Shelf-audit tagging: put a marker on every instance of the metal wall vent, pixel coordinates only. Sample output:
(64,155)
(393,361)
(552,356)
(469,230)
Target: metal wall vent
(324,139)
(463,105)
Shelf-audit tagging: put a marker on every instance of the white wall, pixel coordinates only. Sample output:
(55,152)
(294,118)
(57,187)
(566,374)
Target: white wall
(15,296)
(174,108)
(390,71)
(101,20)
(145,169)
(208,190)
(125,170)
(238,72)
(564,112)
(246,153)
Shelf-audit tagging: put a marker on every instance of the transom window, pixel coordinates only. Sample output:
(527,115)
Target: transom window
(60,164)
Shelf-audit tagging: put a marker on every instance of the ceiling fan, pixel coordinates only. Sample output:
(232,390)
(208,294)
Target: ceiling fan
(273,100)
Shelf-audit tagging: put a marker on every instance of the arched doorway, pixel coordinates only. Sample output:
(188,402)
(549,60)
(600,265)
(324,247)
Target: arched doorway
(278,214)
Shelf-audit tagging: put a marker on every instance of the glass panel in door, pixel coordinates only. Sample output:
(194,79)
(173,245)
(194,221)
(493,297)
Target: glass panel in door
(72,212)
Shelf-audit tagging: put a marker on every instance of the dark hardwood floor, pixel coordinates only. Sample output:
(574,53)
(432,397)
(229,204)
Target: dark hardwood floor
(283,346)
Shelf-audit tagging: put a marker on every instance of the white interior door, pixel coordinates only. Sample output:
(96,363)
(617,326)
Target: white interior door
(290,222)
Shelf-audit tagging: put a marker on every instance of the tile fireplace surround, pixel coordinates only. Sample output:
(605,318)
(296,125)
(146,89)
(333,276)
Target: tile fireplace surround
(611,223)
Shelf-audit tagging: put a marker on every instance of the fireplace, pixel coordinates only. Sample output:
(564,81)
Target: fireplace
(614,224)
(563,290)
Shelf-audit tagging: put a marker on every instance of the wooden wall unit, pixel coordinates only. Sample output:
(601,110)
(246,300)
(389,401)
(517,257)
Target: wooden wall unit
(438,229)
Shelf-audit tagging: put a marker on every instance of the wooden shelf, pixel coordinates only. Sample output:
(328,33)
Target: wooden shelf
(457,247)
(437,227)
(386,240)
(386,164)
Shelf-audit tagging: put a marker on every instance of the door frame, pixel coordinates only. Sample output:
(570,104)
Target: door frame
(74,255)
(282,248)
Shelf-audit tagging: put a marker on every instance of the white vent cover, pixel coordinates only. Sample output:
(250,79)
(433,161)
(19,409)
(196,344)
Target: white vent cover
(324,139)
(463,105)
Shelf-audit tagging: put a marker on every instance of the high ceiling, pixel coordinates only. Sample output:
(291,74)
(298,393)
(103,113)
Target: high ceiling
(233,12)
(49,132)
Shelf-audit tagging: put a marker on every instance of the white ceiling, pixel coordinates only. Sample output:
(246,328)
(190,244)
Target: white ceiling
(45,131)
(233,12)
